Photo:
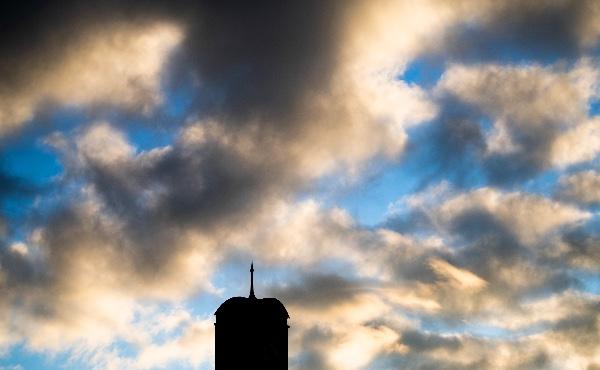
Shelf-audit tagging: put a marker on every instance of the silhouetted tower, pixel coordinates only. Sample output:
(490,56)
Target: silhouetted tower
(251,333)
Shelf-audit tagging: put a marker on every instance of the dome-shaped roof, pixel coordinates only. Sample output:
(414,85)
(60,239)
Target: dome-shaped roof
(242,306)
(239,307)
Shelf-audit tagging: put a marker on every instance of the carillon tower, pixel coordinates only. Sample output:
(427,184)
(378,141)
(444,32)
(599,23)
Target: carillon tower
(251,333)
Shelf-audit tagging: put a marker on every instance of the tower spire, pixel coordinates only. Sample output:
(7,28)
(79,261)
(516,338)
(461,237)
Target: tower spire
(252,280)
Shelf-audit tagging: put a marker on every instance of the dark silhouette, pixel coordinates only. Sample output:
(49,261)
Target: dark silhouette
(251,333)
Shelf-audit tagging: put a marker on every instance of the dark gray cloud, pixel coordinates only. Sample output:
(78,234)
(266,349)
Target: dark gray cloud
(258,60)
(493,256)
(319,291)
(312,342)
(525,31)
(580,329)
(423,342)
(19,272)
(466,352)
(582,248)
(416,362)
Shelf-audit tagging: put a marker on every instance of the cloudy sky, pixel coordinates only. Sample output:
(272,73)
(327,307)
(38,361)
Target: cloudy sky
(417,181)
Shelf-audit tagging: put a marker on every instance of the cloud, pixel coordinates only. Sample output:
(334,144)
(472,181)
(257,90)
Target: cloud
(580,144)
(318,291)
(289,96)
(195,346)
(106,246)
(546,349)
(335,331)
(522,30)
(582,187)
(515,94)
(500,247)
(579,248)
(525,218)
(118,66)
(528,217)
(536,115)
(104,146)
(458,278)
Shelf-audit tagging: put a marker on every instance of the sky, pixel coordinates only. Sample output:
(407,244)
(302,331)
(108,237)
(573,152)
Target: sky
(417,181)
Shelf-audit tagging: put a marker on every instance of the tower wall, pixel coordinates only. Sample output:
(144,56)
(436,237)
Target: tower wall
(251,344)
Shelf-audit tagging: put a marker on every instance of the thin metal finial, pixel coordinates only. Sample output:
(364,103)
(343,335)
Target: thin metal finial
(252,280)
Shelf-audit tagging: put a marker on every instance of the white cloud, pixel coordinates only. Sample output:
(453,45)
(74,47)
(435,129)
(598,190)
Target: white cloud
(120,65)
(456,277)
(356,348)
(195,346)
(579,144)
(104,145)
(19,248)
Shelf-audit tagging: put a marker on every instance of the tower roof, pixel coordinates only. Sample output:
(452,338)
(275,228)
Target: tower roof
(268,307)
(252,306)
